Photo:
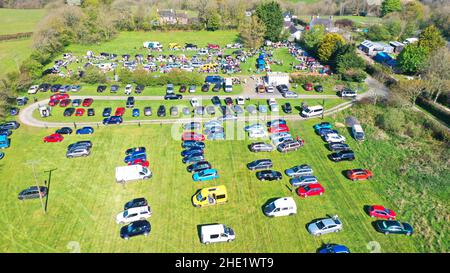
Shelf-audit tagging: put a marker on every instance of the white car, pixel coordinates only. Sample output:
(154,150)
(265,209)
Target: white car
(202,52)
(128,89)
(255,127)
(257,134)
(33,89)
(240,100)
(334,138)
(195,102)
(133,214)
(270,89)
(271,101)
(290,94)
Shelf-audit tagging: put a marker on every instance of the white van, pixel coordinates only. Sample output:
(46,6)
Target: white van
(133,214)
(228,85)
(216,233)
(312,111)
(358,132)
(281,207)
(132,172)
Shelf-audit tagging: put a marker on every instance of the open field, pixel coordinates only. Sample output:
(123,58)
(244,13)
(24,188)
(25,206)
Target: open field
(84,198)
(12,53)
(364,20)
(19,20)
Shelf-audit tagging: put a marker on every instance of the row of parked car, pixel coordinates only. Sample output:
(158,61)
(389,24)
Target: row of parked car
(6,129)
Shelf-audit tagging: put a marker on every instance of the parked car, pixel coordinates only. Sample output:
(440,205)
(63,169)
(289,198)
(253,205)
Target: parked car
(359,174)
(136,203)
(216,233)
(53,138)
(134,156)
(44,87)
(261,147)
(299,170)
(337,146)
(394,227)
(87,102)
(377,211)
(308,86)
(210,110)
(112,120)
(205,87)
(107,112)
(139,89)
(278,129)
(290,145)
(334,138)
(114,88)
(141,227)
(186,111)
(101,88)
(85,131)
(342,155)
(182,89)
(269,175)
(69,112)
(282,88)
(192,144)
(287,108)
(14,111)
(262,108)
(76,102)
(191,151)
(91,112)
(53,102)
(276,122)
(347,93)
(310,190)
(83,143)
(33,193)
(161,111)
(174,111)
(257,134)
(130,102)
(192,136)
(193,159)
(119,111)
(79,112)
(64,131)
(318,88)
(228,101)
(333,248)
(128,89)
(324,226)
(208,174)
(198,166)
(133,214)
(290,94)
(173,97)
(303,180)
(192,89)
(322,125)
(135,112)
(78,151)
(260,164)
(284,206)
(33,89)
(147,111)
(64,102)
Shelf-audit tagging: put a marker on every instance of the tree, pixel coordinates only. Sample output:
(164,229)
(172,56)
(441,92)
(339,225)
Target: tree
(431,38)
(412,58)
(328,45)
(252,32)
(271,15)
(410,89)
(312,38)
(437,72)
(349,60)
(213,21)
(389,6)
(378,32)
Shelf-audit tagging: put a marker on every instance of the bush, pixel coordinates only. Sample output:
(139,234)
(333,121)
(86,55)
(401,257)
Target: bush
(93,75)
(354,75)
(175,76)
(392,121)
(302,79)
(435,111)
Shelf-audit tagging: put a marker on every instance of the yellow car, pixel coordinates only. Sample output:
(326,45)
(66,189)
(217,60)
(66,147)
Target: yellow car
(209,66)
(210,196)
(174,46)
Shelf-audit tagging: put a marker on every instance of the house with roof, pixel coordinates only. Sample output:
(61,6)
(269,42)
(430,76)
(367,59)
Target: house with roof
(172,17)
(326,22)
(295,32)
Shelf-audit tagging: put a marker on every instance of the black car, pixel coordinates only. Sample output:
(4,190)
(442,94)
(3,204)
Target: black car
(69,111)
(337,146)
(216,101)
(199,166)
(114,88)
(342,155)
(64,131)
(192,143)
(282,88)
(54,88)
(216,87)
(139,89)
(44,87)
(287,108)
(318,88)
(182,89)
(82,143)
(101,88)
(268,175)
(260,164)
(10,125)
(173,97)
(130,102)
(205,87)
(107,112)
(33,193)
(161,111)
(135,203)
(228,101)
(141,227)
(192,151)
(190,46)
(90,112)
(5,132)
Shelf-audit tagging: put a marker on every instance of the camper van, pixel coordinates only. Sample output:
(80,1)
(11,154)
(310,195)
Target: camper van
(228,85)
(281,207)
(357,132)
(131,173)
(312,111)
(216,233)
(210,196)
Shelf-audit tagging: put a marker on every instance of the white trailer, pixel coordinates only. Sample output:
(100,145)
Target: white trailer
(277,78)
(131,173)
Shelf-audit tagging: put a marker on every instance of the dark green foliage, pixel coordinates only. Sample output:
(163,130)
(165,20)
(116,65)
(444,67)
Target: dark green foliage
(271,15)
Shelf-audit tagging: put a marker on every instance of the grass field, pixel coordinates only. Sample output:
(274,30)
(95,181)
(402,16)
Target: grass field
(19,20)
(84,198)
(364,20)
(12,53)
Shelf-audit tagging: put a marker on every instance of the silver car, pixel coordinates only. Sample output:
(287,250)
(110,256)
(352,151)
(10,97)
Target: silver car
(303,180)
(78,152)
(324,226)
(261,147)
(299,170)
(251,109)
(290,94)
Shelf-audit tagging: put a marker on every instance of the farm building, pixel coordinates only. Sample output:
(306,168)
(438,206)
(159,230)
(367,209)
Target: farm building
(327,23)
(372,48)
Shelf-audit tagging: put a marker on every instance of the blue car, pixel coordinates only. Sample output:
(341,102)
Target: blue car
(134,156)
(112,120)
(135,113)
(141,227)
(333,248)
(14,111)
(192,144)
(85,131)
(107,112)
(191,151)
(326,131)
(205,175)
(322,125)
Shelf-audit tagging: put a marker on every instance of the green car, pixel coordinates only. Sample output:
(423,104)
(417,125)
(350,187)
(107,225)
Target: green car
(395,227)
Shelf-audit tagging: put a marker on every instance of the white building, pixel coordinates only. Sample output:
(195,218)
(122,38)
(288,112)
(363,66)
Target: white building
(277,78)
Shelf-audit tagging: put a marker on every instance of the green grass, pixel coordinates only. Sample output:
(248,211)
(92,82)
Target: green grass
(12,53)
(19,20)
(364,20)
(84,197)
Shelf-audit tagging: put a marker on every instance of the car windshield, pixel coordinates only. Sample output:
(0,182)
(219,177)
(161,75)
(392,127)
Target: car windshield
(199,197)
(125,214)
(320,225)
(270,207)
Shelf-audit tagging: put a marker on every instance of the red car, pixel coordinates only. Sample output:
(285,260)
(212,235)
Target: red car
(53,102)
(381,212)
(308,86)
(59,96)
(79,112)
(279,128)
(120,111)
(213,46)
(192,136)
(53,138)
(310,190)
(139,161)
(359,174)
(87,102)
(64,103)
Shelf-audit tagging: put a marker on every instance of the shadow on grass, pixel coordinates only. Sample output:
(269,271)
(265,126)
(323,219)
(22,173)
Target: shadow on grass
(48,182)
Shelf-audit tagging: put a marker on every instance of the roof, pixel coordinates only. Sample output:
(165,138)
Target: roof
(215,228)
(284,200)
(315,107)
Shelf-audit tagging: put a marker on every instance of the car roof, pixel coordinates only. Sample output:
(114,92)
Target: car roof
(284,200)
(213,229)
